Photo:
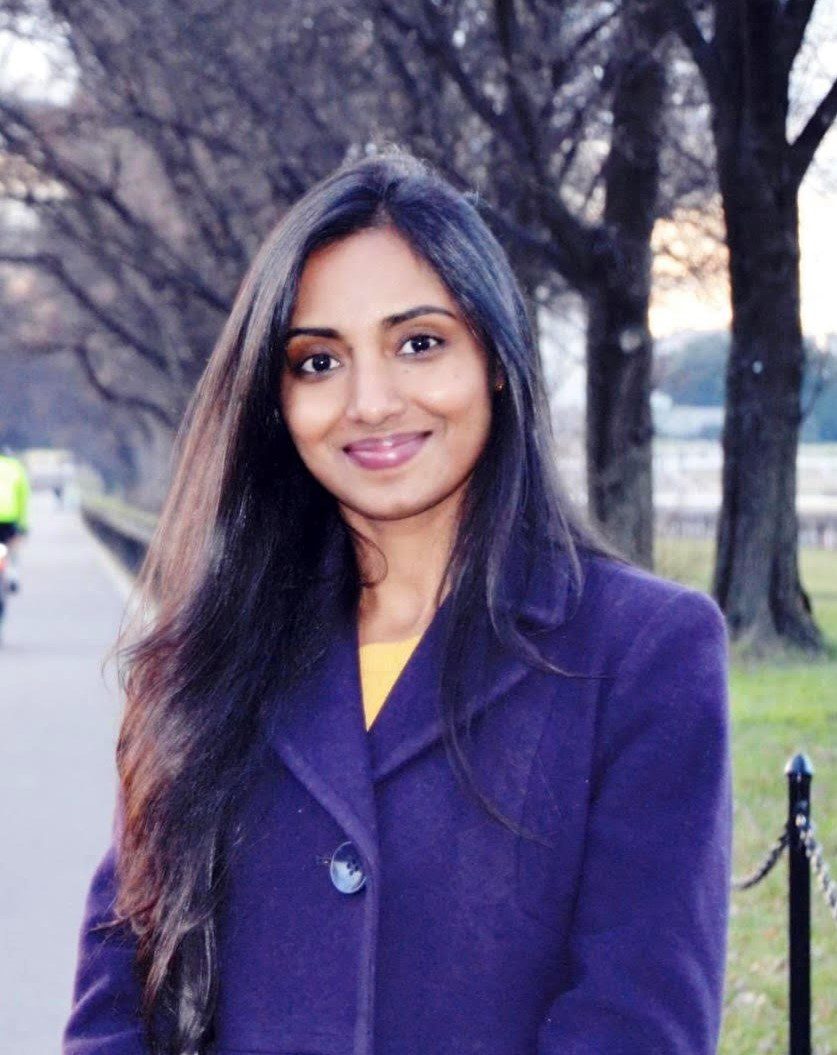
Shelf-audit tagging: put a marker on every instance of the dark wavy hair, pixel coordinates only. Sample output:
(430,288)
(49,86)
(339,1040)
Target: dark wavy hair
(225,616)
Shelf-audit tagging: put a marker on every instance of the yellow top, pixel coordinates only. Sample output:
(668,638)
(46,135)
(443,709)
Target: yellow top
(380,664)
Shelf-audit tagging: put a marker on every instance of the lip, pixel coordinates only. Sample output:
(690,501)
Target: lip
(386,452)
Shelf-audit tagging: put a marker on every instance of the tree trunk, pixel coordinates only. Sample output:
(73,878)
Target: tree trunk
(619,345)
(756,579)
(746,66)
(619,427)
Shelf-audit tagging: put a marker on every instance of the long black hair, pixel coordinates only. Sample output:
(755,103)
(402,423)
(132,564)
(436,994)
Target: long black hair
(226,587)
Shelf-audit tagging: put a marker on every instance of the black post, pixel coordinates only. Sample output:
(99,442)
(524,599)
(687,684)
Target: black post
(799,772)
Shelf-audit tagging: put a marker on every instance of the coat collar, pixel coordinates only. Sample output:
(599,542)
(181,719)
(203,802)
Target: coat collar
(318,728)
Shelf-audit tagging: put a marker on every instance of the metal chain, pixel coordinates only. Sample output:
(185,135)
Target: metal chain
(814,852)
(773,855)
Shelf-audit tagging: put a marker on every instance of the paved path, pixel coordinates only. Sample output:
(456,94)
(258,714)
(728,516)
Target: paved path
(58,722)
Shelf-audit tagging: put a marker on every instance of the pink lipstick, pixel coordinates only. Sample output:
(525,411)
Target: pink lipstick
(386,452)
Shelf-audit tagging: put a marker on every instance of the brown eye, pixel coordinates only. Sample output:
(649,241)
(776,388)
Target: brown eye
(422,342)
(315,364)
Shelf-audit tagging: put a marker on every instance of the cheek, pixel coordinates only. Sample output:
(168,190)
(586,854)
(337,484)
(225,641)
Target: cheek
(307,414)
(462,398)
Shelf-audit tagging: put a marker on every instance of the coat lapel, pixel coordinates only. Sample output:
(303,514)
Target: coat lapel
(319,729)
(319,733)
(537,591)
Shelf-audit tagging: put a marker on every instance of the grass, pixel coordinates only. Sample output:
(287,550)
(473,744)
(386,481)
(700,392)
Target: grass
(111,504)
(778,707)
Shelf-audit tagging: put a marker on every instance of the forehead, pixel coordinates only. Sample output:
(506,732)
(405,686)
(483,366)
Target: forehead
(366,277)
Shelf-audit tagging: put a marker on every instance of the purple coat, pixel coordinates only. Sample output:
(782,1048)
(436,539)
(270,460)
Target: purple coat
(607,937)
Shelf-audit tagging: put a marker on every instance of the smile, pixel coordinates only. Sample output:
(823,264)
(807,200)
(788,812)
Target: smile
(386,452)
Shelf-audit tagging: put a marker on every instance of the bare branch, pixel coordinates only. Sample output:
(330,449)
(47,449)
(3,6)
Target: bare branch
(552,251)
(87,186)
(437,45)
(110,395)
(795,16)
(53,266)
(80,349)
(702,50)
(508,33)
(807,143)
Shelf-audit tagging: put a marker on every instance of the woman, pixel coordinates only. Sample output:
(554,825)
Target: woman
(525,849)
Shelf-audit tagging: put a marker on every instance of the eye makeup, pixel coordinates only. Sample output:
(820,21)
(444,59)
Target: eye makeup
(296,360)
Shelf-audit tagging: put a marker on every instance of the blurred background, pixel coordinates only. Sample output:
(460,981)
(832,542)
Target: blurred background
(663,174)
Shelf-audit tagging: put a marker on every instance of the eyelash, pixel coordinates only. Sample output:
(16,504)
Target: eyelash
(298,367)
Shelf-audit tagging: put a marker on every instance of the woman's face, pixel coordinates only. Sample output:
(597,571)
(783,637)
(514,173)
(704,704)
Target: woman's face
(385,390)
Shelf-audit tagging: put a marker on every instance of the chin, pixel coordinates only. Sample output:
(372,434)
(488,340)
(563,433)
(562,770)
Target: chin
(393,508)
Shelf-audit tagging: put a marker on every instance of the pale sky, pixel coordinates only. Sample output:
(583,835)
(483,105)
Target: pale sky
(704,304)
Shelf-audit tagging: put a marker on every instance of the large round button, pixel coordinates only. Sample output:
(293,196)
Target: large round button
(346,869)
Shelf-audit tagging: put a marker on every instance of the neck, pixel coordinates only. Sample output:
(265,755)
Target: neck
(403,562)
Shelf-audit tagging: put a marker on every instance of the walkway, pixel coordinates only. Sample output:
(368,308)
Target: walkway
(58,723)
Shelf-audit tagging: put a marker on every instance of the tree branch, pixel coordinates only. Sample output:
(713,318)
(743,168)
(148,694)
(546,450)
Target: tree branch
(553,251)
(795,16)
(807,143)
(51,265)
(86,185)
(569,251)
(438,47)
(508,34)
(79,348)
(110,395)
(703,51)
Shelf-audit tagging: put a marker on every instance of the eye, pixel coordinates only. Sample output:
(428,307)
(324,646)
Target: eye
(422,342)
(315,364)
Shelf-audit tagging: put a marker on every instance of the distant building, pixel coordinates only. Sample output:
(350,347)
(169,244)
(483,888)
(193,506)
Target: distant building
(680,421)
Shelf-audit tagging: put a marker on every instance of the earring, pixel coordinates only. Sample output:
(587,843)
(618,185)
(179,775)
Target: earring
(499,385)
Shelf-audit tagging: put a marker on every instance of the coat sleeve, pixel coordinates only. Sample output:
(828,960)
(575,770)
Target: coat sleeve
(105,1017)
(22,517)
(648,942)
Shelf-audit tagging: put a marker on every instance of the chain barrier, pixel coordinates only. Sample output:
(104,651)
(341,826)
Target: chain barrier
(814,853)
(804,855)
(815,856)
(773,855)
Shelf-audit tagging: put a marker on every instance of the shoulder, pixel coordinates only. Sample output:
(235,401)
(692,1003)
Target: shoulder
(657,653)
(624,588)
(622,614)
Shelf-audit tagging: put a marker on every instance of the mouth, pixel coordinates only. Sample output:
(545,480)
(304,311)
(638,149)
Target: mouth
(386,452)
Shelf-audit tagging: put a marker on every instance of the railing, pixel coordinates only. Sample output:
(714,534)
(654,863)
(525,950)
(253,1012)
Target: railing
(124,529)
(817,530)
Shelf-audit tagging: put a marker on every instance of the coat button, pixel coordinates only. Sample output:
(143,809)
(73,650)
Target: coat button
(346,869)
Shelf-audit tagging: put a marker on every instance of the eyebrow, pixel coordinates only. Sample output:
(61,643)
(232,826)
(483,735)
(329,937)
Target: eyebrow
(387,323)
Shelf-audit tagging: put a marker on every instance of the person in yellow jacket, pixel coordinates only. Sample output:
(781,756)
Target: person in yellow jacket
(14,508)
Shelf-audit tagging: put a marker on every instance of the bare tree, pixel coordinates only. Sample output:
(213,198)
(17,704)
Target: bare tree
(155,183)
(746,65)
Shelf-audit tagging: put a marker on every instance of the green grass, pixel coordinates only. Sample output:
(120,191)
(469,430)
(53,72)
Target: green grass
(111,504)
(778,708)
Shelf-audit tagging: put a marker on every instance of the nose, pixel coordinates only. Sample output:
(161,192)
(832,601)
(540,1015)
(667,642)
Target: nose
(374,394)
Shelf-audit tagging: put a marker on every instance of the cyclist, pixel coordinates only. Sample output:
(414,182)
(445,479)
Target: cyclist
(14,508)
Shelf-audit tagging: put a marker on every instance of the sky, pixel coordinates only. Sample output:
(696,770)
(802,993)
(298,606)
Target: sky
(704,304)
